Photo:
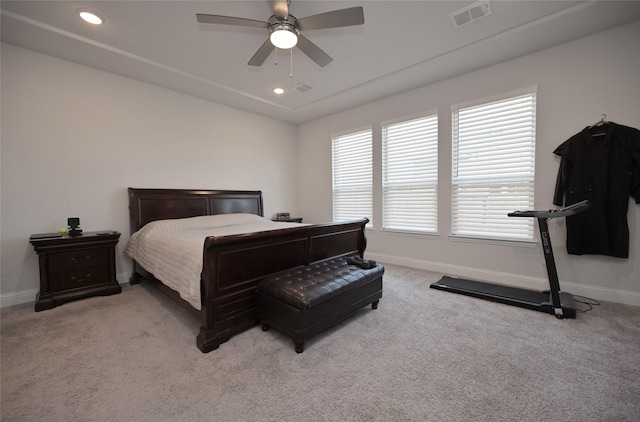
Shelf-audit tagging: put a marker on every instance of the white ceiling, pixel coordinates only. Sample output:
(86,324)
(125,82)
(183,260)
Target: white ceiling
(402,45)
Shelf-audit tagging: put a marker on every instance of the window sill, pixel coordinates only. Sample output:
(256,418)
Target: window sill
(499,242)
(407,233)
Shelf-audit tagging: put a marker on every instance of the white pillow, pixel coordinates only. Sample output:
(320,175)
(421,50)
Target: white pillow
(198,223)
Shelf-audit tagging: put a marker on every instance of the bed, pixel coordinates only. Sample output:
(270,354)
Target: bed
(233,264)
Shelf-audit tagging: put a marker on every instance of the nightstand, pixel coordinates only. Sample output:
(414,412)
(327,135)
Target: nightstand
(75,267)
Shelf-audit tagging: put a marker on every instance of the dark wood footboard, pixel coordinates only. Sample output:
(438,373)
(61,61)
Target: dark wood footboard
(233,266)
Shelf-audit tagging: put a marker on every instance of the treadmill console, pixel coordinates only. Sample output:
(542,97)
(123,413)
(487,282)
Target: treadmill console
(562,212)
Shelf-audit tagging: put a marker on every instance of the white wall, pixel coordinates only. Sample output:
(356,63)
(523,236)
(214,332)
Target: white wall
(74,138)
(576,83)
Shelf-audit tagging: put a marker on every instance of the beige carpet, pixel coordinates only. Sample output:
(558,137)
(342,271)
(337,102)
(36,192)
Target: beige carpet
(423,355)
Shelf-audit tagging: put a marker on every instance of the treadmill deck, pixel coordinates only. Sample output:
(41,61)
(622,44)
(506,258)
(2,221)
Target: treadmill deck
(524,298)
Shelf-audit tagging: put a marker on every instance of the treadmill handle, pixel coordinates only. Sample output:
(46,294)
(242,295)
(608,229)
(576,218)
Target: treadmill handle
(562,212)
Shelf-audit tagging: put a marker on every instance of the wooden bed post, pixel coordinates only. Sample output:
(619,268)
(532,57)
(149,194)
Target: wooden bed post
(207,339)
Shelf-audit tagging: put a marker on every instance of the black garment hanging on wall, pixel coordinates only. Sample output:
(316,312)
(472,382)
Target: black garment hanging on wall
(601,164)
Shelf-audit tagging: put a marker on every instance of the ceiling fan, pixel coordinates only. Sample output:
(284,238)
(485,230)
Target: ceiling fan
(285,29)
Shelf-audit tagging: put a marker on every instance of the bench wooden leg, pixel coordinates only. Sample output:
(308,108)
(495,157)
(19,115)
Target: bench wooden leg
(264,326)
(374,304)
(299,346)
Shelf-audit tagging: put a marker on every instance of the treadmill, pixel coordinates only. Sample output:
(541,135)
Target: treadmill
(553,301)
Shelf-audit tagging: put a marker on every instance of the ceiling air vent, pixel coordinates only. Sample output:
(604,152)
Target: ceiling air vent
(471,13)
(302,88)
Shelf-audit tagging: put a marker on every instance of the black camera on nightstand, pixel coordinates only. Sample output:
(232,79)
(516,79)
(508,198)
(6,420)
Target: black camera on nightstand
(74,226)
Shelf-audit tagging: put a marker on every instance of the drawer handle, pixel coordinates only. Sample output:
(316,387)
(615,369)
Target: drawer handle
(88,276)
(78,260)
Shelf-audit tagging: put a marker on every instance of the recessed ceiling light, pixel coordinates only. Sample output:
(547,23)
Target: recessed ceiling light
(278,91)
(90,17)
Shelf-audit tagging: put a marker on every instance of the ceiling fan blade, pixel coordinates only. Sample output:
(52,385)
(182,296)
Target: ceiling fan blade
(314,52)
(230,20)
(261,55)
(337,18)
(280,8)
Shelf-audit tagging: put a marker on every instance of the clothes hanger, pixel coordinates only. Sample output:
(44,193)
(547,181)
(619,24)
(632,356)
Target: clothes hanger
(603,121)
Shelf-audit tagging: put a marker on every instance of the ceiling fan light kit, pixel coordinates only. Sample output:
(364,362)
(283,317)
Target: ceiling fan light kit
(284,35)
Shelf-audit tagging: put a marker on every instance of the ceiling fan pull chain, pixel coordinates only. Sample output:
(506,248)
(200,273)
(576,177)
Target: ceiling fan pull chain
(276,56)
(291,74)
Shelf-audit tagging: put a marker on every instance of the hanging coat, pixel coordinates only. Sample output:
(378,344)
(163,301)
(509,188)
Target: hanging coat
(601,164)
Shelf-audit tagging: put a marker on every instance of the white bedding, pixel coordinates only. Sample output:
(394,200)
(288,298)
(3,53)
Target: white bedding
(172,250)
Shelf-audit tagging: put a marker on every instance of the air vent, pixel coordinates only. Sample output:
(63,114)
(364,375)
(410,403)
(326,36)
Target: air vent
(302,88)
(471,13)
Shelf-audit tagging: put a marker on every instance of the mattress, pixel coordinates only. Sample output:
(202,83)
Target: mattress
(172,250)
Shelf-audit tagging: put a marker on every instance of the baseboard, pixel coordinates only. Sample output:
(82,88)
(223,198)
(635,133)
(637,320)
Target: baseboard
(18,298)
(28,296)
(516,280)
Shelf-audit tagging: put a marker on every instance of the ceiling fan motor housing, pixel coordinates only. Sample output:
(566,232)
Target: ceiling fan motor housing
(290,23)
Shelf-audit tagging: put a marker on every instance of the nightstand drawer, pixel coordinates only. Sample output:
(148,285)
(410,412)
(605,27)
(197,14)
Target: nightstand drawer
(84,258)
(82,277)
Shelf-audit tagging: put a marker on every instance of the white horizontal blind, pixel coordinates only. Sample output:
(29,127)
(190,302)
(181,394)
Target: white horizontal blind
(493,168)
(410,175)
(352,176)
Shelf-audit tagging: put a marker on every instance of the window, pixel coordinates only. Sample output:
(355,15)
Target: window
(493,168)
(410,175)
(352,176)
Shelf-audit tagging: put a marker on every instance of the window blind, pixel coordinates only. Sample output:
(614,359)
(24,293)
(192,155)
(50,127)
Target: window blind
(352,176)
(410,175)
(493,168)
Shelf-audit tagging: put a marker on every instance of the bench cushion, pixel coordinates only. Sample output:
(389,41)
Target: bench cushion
(308,286)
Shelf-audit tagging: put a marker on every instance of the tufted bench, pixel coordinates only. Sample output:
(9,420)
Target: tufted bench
(303,301)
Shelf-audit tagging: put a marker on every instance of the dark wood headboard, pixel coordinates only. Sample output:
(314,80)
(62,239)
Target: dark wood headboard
(146,205)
